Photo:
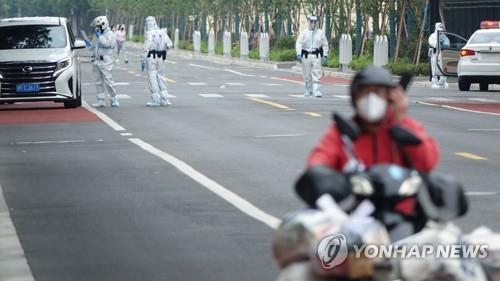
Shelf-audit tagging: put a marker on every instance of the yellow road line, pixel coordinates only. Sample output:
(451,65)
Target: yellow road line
(273,104)
(313,114)
(470,156)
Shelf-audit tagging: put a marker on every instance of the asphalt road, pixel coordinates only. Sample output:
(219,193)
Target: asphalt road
(189,191)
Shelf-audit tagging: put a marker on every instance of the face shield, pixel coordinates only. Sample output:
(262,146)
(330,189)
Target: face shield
(313,23)
(150,24)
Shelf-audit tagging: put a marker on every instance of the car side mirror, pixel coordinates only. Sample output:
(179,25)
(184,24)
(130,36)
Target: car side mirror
(347,127)
(403,137)
(79,44)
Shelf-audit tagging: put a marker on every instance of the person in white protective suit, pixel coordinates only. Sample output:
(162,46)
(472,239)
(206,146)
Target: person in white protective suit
(312,52)
(102,48)
(156,45)
(438,79)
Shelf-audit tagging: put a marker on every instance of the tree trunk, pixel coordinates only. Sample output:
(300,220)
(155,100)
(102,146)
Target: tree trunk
(400,27)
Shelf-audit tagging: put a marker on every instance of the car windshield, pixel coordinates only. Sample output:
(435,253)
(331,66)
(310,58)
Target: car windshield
(486,38)
(32,37)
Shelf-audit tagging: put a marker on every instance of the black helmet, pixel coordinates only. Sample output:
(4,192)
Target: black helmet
(371,75)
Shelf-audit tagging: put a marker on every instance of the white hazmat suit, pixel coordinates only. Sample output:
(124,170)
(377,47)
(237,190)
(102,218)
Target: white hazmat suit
(102,48)
(312,51)
(438,77)
(156,45)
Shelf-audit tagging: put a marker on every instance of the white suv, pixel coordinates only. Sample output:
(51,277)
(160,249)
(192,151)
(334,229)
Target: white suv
(38,61)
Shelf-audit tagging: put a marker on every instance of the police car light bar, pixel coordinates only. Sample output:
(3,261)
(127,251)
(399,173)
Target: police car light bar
(490,24)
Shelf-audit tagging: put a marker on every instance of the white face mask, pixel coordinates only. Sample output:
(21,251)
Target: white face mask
(371,107)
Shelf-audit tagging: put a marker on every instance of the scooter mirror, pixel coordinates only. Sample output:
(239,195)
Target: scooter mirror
(403,137)
(347,127)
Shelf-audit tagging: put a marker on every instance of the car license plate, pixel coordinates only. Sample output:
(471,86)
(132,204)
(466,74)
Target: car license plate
(27,88)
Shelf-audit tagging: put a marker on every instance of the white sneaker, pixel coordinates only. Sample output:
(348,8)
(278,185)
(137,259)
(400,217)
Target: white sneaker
(152,104)
(307,94)
(114,102)
(165,102)
(318,94)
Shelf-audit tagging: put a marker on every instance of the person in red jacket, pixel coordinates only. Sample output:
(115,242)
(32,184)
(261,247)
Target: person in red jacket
(378,103)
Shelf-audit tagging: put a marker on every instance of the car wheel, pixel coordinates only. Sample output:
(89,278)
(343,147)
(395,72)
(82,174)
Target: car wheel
(463,84)
(76,102)
(483,87)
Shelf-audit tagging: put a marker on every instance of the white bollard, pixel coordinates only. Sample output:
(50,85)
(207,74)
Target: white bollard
(264,47)
(345,51)
(130,32)
(381,51)
(385,51)
(197,43)
(226,42)
(176,39)
(244,50)
(376,51)
(211,42)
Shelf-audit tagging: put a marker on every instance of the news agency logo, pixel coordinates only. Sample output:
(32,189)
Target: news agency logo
(332,250)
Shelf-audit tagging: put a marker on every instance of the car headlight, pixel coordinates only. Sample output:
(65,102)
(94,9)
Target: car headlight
(63,65)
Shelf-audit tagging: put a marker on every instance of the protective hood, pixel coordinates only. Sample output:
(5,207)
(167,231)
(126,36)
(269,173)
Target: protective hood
(439,27)
(150,24)
(313,22)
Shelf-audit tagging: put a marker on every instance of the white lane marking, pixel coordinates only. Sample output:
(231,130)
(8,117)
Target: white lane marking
(439,99)
(342,97)
(279,136)
(197,83)
(480,193)
(13,263)
(127,134)
(234,84)
(257,96)
(239,73)
(171,96)
(121,84)
(168,80)
(297,96)
(481,100)
(171,61)
(263,76)
(131,72)
(138,75)
(104,117)
(47,142)
(288,80)
(457,108)
(232,198)
(123,96)
(211,95)
(272,84)
(199,66)
(484,130)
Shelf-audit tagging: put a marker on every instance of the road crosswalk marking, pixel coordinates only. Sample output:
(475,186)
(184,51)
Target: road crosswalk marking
(211,95)
(123,96)
(197,83)
(257,96)
(342,97)
(234,84)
